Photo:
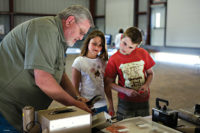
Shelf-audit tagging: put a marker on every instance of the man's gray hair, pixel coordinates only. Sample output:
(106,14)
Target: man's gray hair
(79,12)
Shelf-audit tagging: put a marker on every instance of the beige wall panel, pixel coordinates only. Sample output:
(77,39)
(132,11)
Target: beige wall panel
(183,18)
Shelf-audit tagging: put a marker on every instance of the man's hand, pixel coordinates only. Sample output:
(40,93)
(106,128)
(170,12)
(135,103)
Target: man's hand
(82,99)
(83,106)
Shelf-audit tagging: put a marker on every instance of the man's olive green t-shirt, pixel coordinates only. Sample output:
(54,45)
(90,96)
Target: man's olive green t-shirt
(36,44)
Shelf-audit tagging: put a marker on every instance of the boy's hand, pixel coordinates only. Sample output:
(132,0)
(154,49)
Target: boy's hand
(131,92)
(143,91)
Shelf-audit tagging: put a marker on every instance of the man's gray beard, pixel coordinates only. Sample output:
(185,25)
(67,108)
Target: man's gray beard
(69,44)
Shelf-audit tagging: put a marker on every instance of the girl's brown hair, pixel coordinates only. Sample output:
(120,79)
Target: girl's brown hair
(134,34)
(103,54)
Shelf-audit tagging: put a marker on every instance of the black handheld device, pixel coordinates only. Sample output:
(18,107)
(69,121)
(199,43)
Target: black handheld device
(164,115)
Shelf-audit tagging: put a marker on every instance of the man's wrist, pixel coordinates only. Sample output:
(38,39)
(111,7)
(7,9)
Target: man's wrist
(78,97)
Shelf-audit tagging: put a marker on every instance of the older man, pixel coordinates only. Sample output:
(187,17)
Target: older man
(32,63)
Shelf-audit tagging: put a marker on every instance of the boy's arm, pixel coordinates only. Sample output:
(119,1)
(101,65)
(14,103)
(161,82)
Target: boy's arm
(126,91)
(110,84)
(149,77)
(148,81)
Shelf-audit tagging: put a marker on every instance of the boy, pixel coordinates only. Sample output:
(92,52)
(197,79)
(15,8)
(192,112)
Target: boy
(133,66)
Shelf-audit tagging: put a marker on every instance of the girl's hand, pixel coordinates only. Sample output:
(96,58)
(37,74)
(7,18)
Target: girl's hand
(111,111)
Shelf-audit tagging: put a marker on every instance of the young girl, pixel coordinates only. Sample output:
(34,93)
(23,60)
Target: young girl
(88,69)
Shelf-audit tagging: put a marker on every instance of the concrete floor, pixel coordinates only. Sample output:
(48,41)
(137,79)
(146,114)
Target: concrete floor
(178,84)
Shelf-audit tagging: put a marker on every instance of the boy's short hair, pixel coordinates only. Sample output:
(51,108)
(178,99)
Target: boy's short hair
(134,34)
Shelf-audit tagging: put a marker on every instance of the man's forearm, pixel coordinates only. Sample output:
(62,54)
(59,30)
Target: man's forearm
(68,86)
(50,87)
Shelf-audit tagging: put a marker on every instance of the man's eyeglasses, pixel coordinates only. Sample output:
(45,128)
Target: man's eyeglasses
(82,33)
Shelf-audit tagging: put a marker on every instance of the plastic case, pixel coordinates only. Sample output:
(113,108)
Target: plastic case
(140,125)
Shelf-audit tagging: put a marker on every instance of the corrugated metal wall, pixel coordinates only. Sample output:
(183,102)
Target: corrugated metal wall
(100,10)
(43,6)
(4,5)
(36,6)
(4,19)
(21,19)
(46,6)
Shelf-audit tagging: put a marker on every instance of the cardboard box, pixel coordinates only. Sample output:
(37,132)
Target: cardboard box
(67,119)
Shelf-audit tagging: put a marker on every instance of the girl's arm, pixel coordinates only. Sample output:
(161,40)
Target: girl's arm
(68,86)
(108,92)
(76,79)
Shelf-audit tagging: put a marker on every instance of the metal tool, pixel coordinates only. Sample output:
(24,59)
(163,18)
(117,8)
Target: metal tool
(197,109)
(92,101)
(100,121)
(62,111)
(164,115)
(188,116)
(189,129)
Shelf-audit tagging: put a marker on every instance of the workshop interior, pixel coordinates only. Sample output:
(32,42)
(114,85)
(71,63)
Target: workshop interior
(170,33)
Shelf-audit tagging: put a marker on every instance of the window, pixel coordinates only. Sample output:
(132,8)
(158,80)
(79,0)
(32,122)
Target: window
(157,25)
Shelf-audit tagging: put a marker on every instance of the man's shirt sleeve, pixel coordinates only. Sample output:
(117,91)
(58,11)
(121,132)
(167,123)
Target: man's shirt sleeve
(41,49)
